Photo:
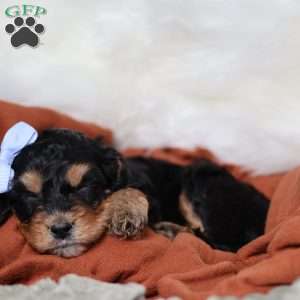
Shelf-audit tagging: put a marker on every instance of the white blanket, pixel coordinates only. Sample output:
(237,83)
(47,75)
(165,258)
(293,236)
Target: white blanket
(73,287)
(223,74)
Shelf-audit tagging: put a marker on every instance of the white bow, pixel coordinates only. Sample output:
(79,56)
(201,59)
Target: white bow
(15,139)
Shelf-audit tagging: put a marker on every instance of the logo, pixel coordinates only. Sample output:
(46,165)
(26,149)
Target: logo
(25,30)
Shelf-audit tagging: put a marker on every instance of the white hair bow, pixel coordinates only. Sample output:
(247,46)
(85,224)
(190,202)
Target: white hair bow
(15,139)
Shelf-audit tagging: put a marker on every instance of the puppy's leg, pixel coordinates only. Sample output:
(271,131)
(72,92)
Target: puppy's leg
(127,211)
(231,212)
(188,211)
(169,229)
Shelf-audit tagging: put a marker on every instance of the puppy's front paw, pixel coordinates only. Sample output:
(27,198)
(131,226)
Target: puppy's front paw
(128,213)
(127,224)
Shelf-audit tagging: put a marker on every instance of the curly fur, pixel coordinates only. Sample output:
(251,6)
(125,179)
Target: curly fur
(67,178)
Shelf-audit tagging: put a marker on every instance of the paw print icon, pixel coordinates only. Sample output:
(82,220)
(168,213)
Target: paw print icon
(24,32)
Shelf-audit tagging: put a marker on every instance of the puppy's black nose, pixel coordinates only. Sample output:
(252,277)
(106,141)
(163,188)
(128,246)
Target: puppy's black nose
(61,231)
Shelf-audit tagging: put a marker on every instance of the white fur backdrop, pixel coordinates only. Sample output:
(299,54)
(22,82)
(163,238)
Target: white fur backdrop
(221,74)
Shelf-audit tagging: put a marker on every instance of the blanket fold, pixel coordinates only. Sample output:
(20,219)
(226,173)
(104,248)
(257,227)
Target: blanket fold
(185,267)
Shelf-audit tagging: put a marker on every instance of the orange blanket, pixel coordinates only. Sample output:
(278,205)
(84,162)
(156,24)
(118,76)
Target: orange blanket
(185,267)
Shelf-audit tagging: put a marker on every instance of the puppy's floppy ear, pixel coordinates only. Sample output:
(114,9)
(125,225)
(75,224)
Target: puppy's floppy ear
(113,166)
(5,207)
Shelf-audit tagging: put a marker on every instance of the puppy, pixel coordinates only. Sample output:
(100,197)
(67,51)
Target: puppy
(68,190)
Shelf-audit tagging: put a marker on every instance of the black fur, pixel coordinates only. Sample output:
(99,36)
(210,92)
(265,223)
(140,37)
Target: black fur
(5,207)
(233,212)
(161,182)
(52,154)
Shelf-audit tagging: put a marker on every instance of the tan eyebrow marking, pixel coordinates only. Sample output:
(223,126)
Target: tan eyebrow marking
(32,180)
(76,172)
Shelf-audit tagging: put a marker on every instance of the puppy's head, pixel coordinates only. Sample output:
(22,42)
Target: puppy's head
(59,190)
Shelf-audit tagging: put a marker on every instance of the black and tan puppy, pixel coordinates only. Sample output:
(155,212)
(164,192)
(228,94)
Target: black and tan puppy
(68,190)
